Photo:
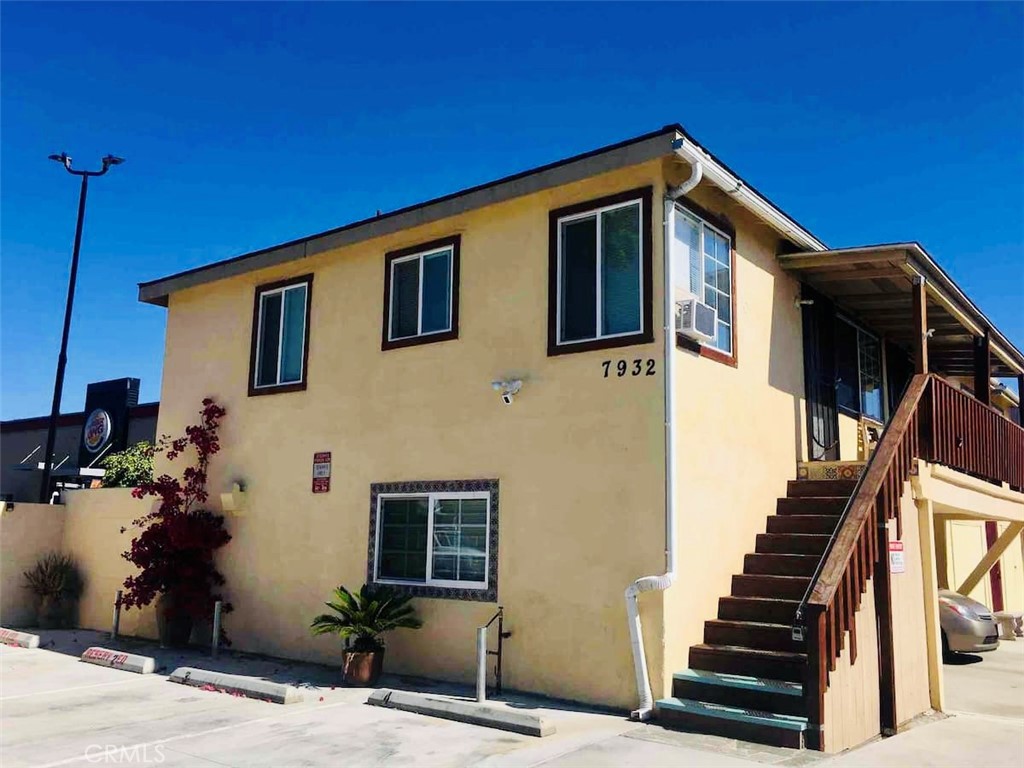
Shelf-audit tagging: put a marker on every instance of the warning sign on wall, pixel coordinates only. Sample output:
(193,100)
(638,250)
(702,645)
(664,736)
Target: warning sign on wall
(897,564)
(322,472)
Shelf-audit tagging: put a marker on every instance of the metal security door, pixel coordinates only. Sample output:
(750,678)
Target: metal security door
(819,321)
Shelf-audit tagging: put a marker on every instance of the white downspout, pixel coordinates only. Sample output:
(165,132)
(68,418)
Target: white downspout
(649,583)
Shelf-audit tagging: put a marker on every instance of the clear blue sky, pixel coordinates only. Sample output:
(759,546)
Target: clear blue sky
(248,125)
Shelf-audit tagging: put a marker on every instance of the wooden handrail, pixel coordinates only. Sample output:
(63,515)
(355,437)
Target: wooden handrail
(934,421)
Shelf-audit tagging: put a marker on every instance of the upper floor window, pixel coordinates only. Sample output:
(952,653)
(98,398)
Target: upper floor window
(705,269)
(280,342)
(858,371)
(421,294)
(600,283)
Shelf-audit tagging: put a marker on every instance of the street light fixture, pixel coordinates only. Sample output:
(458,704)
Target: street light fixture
(62,359)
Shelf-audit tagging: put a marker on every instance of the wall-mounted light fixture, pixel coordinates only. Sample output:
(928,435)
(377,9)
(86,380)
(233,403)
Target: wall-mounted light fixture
(233,502)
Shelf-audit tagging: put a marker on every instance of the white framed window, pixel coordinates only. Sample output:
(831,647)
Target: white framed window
(436,539)
(600,280)
(703,268)
(421,293)
(280,343)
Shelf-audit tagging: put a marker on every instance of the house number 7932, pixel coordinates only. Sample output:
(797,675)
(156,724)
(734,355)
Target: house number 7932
(635,367)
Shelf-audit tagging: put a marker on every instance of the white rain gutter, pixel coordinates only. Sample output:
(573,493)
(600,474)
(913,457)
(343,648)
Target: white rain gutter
(663,582)
(721,177)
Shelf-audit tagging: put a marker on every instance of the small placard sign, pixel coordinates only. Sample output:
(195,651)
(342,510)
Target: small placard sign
(322,472)
(897,563)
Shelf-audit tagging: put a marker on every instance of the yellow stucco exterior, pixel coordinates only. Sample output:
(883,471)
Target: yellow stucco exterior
(578,456)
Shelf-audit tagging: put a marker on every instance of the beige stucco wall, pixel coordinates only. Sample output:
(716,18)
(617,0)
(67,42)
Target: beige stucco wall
(93,535)
(27,532)
(849,437)
(967,545)
(738,433)
(578,456)
(852,713)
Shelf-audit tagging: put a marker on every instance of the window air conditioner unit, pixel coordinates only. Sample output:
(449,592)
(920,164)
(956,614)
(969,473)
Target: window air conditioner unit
(696,320)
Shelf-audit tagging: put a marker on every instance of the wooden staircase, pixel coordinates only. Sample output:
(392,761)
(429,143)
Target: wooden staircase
(745,680)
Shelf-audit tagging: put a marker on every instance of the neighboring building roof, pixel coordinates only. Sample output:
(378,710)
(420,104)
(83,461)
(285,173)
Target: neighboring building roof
(77,418)
(621,155)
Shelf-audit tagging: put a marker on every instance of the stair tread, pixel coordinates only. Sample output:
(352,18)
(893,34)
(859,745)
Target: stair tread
(761,599)
(742,650)
(752,716)
(801,555)
(771,576)
(753,624)
(745,682)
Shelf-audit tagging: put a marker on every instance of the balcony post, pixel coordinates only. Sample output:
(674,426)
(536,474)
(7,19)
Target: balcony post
(920,325)
(983,369)
(1020,399)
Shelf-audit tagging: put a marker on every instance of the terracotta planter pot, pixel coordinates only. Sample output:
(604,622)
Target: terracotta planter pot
(173,623)
(363,668)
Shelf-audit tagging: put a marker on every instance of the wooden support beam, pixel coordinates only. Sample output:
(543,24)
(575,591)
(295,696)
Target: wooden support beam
(983,368)
(926,525)
(829,275)
(878,301)
(920,320)
(941,552)
(1020,399)
(886,654)
(993,554)
(798,263)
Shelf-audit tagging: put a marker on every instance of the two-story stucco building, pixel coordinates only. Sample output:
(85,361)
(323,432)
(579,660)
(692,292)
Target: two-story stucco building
(519,413)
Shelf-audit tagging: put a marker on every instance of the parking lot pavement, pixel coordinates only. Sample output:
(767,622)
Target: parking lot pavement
(989,683)
(985,700)
(58,711)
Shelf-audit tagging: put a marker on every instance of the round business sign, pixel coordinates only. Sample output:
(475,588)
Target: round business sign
(97,430)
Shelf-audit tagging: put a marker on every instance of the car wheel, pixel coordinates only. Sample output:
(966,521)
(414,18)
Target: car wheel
(946,653)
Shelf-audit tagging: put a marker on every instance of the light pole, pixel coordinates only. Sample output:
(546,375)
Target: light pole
(58,384)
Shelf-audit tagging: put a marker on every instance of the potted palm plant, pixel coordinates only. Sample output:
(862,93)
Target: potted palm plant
(57,584)
(361,618)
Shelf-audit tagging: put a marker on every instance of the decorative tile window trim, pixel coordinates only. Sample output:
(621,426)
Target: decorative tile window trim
(488,594)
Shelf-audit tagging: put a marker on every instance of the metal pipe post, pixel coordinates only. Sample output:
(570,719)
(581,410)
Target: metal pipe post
(116,624)
(216,629)
(481,664)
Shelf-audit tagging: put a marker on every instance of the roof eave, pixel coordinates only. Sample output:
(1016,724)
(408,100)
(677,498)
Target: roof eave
(630,152)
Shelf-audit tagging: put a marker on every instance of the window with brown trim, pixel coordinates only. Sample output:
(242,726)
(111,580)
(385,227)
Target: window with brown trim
(600,273)
(706,269)
(421,294)
(279,355)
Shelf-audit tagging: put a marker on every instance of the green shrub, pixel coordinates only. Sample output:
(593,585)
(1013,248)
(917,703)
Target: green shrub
(363,616)
(129,468)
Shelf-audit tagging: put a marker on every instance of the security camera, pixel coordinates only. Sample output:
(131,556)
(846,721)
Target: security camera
(507,389)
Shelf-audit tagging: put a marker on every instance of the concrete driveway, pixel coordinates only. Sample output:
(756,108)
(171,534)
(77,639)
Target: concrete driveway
(58,711)
(985,724)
